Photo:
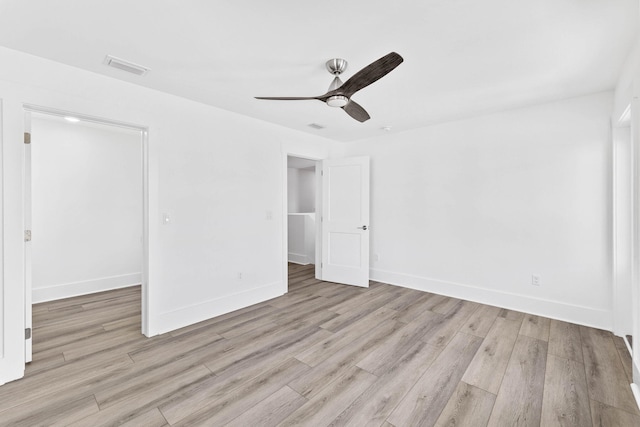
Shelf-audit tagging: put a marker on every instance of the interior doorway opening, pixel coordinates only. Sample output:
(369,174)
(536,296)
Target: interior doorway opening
(302,214)
(85,208)
(341,220)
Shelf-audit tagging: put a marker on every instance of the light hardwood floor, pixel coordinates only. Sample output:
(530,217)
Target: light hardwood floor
(324,354)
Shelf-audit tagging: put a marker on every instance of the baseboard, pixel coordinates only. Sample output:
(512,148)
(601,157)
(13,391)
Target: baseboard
(185,316)
(636,393)
(626,342)
(74,289)
(299,259)
(587,316)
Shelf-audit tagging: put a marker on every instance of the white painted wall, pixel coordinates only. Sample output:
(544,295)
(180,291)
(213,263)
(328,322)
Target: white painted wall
(301,190)
(474,208)
(293,202)
(219,175)
(87,208)
(302,238)
(307,189)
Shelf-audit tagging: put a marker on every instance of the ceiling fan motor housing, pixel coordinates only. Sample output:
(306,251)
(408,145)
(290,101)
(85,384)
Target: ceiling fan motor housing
(336,66)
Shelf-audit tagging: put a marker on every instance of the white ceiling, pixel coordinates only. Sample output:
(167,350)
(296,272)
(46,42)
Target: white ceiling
(462,57)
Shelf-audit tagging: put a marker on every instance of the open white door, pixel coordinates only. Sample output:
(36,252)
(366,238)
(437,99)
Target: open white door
(345,221)
(11,281)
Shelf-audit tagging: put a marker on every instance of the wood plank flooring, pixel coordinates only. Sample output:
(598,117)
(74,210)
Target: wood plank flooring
(323,354)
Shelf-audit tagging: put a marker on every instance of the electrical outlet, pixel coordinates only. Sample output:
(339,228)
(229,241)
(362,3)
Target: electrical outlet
(239,275)
(376,257)
(535,280)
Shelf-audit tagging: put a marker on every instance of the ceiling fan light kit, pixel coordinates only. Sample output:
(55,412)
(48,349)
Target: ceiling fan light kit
(337,101)
(339,94)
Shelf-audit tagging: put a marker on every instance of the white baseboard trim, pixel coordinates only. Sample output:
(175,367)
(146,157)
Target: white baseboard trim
(67,290)
(185,316)
(626,342)
(299,259)
(636,393)
(586,316)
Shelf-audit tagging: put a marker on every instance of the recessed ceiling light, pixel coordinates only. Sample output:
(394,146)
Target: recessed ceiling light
(386,128)
(316,126)
(72,119)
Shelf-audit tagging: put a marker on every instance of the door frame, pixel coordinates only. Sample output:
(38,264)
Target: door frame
(635,247)
(285,216)
(144,139)
(622,218)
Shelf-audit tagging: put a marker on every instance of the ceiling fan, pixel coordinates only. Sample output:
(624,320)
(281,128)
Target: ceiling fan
(339,94)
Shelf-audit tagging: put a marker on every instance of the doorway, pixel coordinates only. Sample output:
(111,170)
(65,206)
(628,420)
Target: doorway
(302,220)
(85,208)
(341,220)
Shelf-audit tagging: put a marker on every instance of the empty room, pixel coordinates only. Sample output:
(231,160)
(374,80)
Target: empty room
(365,213)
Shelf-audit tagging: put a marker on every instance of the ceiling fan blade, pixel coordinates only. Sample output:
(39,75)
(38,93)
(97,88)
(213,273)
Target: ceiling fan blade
(287,98)
(356,111)
(370,74)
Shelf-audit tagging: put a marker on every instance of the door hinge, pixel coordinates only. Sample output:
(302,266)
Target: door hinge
(27,333)
(322,172)
(27,235)
(27,138)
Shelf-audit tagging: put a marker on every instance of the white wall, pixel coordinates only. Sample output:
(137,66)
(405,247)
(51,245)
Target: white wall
(219,175)
(293,204)
(474,208)
(86,207)
(302,238)
(307,189)
(301,190)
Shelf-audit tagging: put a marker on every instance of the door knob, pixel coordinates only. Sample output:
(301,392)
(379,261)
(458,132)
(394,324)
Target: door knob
(364,227)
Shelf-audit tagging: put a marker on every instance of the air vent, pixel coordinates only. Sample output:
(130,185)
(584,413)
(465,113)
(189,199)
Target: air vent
(316,126)
(123,65)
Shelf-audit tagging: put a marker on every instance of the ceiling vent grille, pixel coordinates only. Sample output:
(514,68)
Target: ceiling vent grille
(316,126)
(123,65)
